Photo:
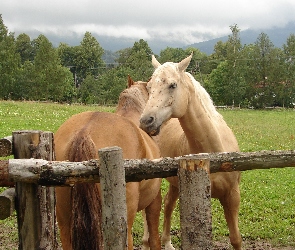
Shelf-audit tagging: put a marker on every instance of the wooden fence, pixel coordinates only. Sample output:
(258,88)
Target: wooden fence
(34,173)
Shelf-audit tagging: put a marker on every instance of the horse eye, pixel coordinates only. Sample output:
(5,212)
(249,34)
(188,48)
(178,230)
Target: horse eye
(172,86)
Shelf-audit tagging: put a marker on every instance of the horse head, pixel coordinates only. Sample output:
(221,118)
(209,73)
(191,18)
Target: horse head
(132,100)
(168,94)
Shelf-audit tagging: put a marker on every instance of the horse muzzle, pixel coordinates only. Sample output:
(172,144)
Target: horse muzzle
(148,125)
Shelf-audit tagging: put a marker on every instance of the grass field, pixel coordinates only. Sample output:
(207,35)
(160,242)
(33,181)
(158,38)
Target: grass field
(267,196)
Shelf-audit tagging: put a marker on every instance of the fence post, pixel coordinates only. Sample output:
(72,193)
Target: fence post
(195,206)
(113,190)
(35,205)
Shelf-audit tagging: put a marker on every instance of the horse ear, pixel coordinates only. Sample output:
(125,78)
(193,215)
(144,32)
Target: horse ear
(155,62)
(130,81)
(185,62)
(143,84)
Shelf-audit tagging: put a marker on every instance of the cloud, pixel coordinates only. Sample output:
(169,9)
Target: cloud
(186,21)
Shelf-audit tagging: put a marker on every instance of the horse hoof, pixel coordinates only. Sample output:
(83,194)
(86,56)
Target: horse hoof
(169,247)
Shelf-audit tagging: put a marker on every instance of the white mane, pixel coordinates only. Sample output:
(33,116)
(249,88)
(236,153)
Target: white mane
(204,97)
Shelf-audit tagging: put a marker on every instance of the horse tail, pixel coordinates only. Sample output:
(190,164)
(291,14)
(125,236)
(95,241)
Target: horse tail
(86,203)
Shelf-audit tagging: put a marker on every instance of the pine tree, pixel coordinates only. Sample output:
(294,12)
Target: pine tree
(24,48)
(88,59)
(9,62)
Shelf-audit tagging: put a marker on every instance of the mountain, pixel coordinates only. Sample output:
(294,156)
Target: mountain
(277,35)
(106,42)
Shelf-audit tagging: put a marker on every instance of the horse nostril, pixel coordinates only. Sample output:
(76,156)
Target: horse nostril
(147,121)
(150,120)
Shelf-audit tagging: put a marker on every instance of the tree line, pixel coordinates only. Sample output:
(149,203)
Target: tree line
(255,75)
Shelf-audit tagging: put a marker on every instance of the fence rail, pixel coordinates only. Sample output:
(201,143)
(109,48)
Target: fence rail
(56,173)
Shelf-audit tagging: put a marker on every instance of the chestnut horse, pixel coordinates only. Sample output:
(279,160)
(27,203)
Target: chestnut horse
(174,93)
(79,139)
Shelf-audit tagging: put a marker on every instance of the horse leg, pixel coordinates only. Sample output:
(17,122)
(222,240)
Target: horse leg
(130,220)
(231,203)
(152,213)
(145,238)
(132,198)
(63,214)
(169,205)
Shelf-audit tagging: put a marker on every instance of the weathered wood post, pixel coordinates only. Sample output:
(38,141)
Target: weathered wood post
(113,192)
(195,206)
(35,205)
(6,146)
(7,198)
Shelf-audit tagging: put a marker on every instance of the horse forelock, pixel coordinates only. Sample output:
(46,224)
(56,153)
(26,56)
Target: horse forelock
(167,66)
(165,71)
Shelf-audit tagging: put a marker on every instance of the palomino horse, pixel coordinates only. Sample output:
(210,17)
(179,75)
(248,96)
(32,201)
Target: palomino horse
(174,93)
(79,139)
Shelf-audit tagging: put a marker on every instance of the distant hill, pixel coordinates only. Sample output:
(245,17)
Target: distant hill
(278,37)
(107,43)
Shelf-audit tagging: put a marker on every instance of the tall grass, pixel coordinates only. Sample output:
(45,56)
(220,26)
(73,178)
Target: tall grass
(267,196)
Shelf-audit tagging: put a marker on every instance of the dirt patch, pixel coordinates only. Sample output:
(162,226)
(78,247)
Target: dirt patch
(250,245)
(8,235)
(9,241)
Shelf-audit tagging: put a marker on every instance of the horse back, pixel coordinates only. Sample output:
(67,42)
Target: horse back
(90,131)
(69,138)
(109,130)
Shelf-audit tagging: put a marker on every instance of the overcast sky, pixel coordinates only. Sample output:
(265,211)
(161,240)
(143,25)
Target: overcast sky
(186,21)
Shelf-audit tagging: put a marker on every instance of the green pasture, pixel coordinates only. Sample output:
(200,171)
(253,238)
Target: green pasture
(267,209)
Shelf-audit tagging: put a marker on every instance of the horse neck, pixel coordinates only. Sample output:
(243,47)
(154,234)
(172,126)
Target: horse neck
(200,124)
(132,116)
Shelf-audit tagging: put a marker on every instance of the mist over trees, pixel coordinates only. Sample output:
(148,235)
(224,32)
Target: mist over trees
(256,75)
